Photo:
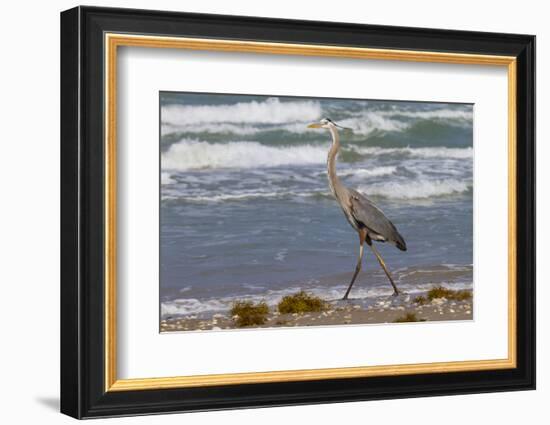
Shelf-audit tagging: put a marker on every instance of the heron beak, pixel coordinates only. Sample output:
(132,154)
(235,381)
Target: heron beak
(315,125)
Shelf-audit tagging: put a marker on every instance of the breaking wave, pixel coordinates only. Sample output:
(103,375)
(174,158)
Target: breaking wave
(399,120)
(368,172)
(236,196)
(166,178)
(439,152)
(194,154)
(270,111)
(195,306)
(404,190)
(249,118)
(416,189)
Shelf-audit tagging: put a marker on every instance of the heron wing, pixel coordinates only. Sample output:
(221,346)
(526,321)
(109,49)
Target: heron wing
(369,215)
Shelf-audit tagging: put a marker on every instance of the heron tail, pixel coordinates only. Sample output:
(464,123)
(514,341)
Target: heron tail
(400,243)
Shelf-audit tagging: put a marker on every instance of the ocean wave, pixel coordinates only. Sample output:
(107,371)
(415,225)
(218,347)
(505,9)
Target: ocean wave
(166,178)
(459,114)
(218,128)
(439,152)
(368,122)
(368,172)
(191,306)
(249,118)
(194,154)
(190,154)
(235,196)
(195,306)
(416,189)
(407,190)
(270,111)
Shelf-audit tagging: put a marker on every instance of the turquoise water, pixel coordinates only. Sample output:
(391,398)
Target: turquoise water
(246,211)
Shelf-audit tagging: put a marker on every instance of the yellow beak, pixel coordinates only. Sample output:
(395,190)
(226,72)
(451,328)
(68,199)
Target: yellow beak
(314,125)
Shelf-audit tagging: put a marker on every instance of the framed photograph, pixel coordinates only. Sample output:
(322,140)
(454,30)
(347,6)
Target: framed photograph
(261,212)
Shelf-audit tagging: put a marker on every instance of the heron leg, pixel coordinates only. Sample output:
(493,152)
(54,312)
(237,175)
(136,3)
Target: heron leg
(383,265)
(362,236)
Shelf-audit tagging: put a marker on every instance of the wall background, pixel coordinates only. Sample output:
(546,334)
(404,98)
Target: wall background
(29,217)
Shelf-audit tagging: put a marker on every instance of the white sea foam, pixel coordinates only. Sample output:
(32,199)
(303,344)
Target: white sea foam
(370,122)
(416,189)
(191,306)
(436,152)
(461,114)
(166,178)
(368,172)
(219,128)
(270,111)
(185,289)
(194,306)
(401,189)
(247,118)
(193,154)
(281,255)
(236,196)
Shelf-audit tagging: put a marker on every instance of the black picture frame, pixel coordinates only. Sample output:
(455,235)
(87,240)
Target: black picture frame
(83,392)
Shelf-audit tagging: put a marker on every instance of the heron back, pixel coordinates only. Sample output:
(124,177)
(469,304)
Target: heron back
(368,215)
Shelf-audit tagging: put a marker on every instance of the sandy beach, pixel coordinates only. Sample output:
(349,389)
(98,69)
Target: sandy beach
(384,310)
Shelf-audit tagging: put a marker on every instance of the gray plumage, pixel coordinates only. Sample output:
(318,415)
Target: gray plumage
(362,214)
(379,227)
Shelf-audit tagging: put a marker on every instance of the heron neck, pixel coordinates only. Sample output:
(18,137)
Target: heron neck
(333,179)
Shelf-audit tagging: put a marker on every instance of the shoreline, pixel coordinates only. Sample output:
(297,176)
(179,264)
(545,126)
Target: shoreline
(386,309)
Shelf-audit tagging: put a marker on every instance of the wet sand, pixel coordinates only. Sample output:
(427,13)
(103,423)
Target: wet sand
(384,310)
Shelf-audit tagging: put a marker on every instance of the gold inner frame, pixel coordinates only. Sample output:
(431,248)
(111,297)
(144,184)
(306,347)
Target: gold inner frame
(113,41)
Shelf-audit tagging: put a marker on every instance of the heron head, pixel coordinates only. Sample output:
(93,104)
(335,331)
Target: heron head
(326,123)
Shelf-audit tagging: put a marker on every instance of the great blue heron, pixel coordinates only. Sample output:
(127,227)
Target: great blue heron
(366,218)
